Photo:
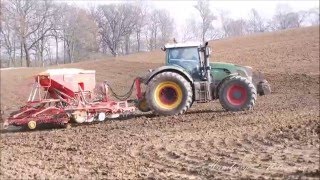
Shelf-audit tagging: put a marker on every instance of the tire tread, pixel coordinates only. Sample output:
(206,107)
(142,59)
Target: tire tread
(185,83)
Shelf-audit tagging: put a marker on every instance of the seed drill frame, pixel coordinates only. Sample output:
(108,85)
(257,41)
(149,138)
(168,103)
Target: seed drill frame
(61,95)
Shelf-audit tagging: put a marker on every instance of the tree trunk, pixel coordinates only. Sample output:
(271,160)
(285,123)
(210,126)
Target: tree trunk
(113,52)
(72,53)
(127,44)
(37,59)
(64,51)
(14,54)
(155,39)
(138,41)
(203,34)
(41,52)
(21,53)
(28,63)
(57,48)
(69,55)
(114,49)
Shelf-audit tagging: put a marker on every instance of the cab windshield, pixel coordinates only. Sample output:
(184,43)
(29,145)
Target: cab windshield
(184,54)
(185,57)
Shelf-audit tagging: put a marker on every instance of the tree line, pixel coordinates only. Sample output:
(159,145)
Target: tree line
(40,33)
(284,18)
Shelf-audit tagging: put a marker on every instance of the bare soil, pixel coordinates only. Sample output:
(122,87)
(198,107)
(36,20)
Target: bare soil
(278,139)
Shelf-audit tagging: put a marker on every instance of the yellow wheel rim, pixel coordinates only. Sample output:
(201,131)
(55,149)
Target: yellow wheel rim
(32,124)
(168,95)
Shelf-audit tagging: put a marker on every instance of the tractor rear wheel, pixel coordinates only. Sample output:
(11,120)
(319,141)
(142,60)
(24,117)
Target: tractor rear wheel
(169,93)
(237,94)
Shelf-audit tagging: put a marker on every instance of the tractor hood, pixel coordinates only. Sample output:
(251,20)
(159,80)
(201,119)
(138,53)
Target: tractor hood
(227,65)
(221,64)
(220,70)
(245,71)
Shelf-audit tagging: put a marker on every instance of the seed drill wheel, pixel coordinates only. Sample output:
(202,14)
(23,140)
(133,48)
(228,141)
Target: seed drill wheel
(237,93)
(79,116)
(65,125)
(32,125)
(169,93)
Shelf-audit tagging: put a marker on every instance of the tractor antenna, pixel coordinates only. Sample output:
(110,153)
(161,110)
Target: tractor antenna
(175,41)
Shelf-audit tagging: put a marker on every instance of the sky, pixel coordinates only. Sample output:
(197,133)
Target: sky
(237,9)
(183,10)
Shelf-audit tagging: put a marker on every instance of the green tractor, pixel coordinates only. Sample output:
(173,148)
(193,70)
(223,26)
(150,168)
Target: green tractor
(189,77)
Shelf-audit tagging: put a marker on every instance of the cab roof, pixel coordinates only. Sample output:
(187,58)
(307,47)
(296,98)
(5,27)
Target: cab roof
(188,44)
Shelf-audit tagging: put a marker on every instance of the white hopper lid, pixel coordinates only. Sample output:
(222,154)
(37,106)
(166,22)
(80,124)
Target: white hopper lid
(66,71)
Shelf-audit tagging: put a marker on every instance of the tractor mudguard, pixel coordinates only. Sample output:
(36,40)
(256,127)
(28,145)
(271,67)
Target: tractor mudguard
(171,68)
(263,88)
(262,85)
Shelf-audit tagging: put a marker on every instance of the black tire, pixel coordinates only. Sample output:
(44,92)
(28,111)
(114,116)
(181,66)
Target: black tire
(185,91)
(142,105)
(65,125)
(237,94)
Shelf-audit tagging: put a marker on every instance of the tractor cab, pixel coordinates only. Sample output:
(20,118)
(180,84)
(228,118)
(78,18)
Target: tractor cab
(189,77)
(189,57)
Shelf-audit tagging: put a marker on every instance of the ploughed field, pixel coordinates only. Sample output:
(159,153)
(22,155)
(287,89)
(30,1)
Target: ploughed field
(278,139)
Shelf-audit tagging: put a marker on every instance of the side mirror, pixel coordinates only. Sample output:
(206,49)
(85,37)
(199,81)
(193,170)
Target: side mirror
(208,51)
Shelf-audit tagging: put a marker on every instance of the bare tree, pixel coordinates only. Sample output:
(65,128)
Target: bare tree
(191,32)
(8,35)
(232,27)
(79,33)
(115,22)
(153,29)
(57,30)
(206,15)
(255,22)
(313,16)
(235,27)
(141,22)
(166,26)
(33,22)
(159,29)
(284,18)
(214,33)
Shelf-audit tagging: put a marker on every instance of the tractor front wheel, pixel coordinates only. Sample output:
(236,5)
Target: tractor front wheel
(237,94)
(169,93)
